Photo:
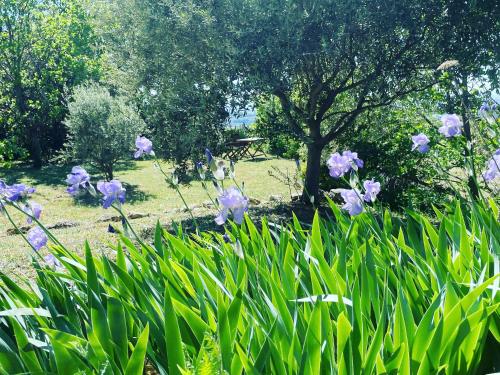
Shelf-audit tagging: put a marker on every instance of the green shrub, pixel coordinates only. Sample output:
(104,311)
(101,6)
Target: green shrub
(350,295)
(10,151)
(284,146)
(184,122)
(383,140)
(102,128)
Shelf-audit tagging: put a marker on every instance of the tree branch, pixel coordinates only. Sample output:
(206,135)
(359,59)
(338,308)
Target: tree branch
(287,107)
(349,117)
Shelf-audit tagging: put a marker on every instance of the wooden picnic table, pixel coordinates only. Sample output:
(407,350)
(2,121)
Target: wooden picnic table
(245,148)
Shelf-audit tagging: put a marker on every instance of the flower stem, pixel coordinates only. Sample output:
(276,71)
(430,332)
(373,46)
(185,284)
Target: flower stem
(127,224)
(236,183)
(187,208)
(176,187)
(204,185)
(47,232)
(20,231)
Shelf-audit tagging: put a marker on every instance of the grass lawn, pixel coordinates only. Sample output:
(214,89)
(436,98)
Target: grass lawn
(146,194)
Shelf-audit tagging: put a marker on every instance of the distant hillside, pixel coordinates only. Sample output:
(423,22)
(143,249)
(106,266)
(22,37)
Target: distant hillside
(247,119)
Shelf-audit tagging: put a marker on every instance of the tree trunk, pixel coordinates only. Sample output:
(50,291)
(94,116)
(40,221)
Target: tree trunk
(311,184)
(36,150)
(109,173)
(24,120)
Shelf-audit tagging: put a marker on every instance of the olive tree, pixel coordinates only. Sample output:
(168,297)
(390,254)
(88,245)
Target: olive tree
(329,61)
(326,61)
(102,128)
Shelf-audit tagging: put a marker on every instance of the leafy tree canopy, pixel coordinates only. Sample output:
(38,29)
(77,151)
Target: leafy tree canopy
(326,61)
(330,61)
(102,128)
(46,47)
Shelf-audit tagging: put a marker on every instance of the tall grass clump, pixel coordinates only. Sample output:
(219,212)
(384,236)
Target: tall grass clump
(351,295)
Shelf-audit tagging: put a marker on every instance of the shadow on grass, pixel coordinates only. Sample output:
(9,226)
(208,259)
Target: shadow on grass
(53,175)
(278,213)
(133,195)
(257,159)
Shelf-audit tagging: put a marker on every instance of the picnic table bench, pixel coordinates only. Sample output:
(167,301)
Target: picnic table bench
(245,148)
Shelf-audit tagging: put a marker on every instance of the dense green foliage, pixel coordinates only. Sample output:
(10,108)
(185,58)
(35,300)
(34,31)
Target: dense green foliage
(272,125)
(328,62)
(412,291)
(10,150)
(161,54)
(410,179)
(46,48)
(184,124)
(472,38)
(350,295)
(382,138)
(102,128)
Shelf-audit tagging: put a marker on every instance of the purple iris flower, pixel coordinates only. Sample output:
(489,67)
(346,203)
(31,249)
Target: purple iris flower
(144,146)
(111,229)
(353,159)
(352,201)
(493,170)
(3,186)
(372,188)
(15,192)
(452,125)
(52,261)
(484,108)
(338,165)
(33,209)
(78,178)
(232,201)
(420,143)
(488,113)
(112,191)
(209,156)
(37,238)
(201,170)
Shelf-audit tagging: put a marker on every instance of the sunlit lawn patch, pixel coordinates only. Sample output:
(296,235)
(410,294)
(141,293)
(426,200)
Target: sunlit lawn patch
(146,194)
